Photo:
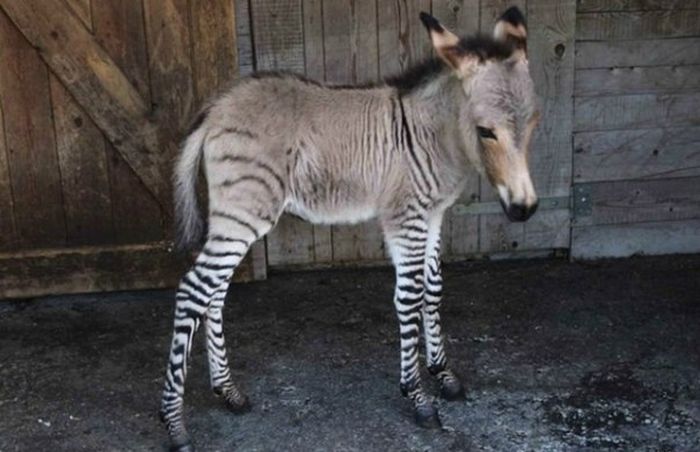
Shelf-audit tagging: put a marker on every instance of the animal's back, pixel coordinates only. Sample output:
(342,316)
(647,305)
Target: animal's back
(331,146)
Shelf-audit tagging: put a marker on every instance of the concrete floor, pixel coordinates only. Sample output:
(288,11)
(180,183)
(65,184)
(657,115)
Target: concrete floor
(556,357)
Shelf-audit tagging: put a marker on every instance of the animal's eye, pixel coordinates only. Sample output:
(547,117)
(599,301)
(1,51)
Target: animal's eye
(486,133)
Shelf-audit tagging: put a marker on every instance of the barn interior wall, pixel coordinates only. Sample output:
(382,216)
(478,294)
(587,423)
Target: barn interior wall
(615,160)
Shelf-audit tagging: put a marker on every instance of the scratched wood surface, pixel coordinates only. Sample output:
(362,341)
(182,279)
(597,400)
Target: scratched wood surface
(636,136)
(95,96)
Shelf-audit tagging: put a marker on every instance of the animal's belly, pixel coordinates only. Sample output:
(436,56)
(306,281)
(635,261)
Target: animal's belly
(325,213)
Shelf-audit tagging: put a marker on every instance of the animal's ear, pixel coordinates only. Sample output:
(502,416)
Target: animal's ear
(512,29)
(447,46)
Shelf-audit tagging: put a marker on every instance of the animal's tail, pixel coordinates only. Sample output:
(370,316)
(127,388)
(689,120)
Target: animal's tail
(189,223)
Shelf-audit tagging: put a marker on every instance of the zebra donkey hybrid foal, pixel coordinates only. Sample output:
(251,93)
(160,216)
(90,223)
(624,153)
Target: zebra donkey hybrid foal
(398,151)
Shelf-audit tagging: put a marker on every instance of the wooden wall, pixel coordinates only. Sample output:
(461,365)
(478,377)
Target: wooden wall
(349,41)
(636,166)
(94,97)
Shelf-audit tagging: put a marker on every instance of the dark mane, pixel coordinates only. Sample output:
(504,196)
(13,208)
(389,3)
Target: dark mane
(483,46)
(417,76)
(486,48)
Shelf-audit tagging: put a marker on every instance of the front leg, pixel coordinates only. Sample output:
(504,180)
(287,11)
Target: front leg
(407,245)
(450,386)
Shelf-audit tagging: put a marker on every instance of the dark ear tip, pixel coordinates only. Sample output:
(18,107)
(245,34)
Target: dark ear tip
(430,22)
(513,16)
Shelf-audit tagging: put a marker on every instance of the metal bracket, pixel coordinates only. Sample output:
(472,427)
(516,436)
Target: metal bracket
(583,207)
(483,208)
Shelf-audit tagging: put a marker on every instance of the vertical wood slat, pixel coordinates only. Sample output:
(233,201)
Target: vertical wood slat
(168,34)
(119,28)
(81,8)
(213,46)
(401,37)
(82,159)
(8,235)
(277,28)
(30,140)
(244,37)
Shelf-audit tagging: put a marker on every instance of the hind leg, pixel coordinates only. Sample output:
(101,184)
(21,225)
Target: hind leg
(199,298)
(219,372)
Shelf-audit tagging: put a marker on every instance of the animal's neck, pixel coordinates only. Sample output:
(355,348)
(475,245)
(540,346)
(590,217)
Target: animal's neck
(434,112)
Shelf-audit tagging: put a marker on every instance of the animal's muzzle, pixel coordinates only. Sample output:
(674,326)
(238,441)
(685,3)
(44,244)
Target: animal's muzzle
(519,212)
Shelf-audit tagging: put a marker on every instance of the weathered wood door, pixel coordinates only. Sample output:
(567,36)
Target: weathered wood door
(94,97)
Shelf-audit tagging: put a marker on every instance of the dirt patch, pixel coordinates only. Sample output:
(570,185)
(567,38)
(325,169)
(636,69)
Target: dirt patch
(555,357)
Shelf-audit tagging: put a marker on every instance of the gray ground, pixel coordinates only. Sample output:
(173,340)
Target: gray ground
(556,356)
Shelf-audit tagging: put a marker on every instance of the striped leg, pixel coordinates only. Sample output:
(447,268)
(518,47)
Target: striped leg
(209,276)
(407,245)
(219,371)
(450,386)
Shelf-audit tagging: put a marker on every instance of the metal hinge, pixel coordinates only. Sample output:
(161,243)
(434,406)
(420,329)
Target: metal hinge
(583,207)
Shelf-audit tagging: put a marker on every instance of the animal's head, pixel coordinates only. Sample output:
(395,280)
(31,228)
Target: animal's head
(499,109)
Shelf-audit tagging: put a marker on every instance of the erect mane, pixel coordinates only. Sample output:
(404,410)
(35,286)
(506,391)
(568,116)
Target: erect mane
(482,46)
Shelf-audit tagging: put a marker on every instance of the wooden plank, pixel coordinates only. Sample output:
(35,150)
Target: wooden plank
(666,237)
(337,29)
(460,233)
(636,154)
(459,16)
(360,242)
(587,6)
(88,269)
(82,159)
(168,34)
(291,242)
(81,8)
(545,230)
(30,141)
(95,269)
(278,35)
(637,80)
(636,111)
(119,29)
(8,236)
(314,58)
(640,52)
(633,25)
(244,38)
(402,39)
(551,55)
(214,48)
(636,201)
(98,85)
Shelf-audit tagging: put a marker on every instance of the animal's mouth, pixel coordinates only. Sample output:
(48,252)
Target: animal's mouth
(518,212)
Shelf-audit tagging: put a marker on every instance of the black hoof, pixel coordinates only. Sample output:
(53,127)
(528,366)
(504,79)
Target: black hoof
(452,390)
(427,416)
(239,407)
(182,447)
